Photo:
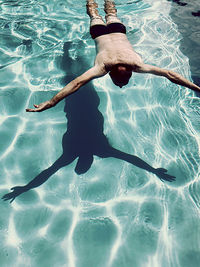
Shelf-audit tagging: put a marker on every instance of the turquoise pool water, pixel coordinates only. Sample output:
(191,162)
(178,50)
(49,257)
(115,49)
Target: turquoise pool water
(89,191)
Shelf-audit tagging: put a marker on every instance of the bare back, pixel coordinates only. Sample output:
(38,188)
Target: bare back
(114,48)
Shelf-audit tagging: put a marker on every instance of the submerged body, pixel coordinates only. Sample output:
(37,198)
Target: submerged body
(114,55)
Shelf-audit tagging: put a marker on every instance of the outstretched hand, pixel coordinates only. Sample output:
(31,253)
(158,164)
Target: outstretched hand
(17,190)
(161,173)
(40,107)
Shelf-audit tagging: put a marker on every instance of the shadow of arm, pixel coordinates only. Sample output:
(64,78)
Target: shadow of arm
(160,172)
(37,181)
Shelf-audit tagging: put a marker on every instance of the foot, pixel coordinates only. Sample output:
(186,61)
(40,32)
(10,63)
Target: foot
(109,7)
(92,9)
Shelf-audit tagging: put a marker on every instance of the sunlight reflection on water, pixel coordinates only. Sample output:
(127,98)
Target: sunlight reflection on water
(97,199)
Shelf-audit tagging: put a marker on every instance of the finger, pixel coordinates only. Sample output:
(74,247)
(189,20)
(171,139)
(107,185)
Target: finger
(31,110)
(36,106)
(12,199)
(5,198)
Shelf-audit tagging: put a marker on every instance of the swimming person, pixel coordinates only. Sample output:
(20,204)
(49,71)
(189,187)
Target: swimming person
(115,56)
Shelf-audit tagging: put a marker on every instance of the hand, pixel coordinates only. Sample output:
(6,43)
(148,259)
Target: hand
(17,190)
(40,107)
(161,173)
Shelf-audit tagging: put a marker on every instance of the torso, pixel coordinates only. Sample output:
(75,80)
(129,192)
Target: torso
(113,49)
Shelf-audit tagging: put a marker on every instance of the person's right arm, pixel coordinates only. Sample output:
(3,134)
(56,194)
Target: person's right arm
(169,74)
(94,72)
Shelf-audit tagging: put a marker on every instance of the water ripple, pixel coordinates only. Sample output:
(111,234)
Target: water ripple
(113,203)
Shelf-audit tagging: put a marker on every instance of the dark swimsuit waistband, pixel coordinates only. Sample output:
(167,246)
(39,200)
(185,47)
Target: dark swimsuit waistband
(115,27)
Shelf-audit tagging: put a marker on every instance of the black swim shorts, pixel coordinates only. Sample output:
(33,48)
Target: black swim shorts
(98,30)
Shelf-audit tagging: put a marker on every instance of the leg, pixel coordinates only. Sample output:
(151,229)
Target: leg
(111,12)
(95,18)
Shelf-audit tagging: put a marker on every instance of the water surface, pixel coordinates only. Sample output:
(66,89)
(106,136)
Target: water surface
(89,191)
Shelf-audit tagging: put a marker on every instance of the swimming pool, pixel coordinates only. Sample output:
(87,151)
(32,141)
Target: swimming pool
(110,209)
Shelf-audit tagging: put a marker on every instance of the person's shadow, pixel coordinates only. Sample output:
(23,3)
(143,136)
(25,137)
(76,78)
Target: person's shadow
(84,137)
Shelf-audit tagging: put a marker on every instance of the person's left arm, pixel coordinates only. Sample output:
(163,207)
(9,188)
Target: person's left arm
(171,75)
(94,72)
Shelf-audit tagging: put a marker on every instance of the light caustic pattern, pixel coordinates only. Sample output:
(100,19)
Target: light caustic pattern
(88,190)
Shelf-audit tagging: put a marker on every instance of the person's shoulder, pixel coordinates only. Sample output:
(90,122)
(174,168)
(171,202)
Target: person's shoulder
(137,66)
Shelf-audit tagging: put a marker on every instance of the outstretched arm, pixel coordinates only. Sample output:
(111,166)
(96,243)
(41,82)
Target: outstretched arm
(95,72)
(171,75)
